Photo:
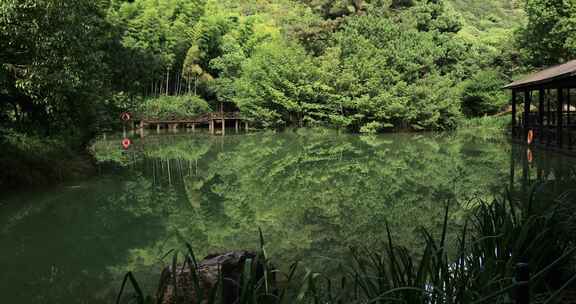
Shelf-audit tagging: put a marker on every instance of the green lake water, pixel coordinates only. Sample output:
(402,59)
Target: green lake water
(313,193)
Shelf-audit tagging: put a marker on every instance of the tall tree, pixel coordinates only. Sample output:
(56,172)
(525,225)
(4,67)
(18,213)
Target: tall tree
(52,62)
(550,34)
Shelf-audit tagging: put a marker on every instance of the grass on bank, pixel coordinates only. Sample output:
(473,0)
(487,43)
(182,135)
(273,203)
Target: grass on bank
(496,237)
(485,128)
(486,123)
(27,160)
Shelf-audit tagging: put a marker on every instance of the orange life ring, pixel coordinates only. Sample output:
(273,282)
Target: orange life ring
(530,138)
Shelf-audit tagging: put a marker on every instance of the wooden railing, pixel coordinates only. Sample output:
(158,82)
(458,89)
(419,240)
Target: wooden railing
(549,119)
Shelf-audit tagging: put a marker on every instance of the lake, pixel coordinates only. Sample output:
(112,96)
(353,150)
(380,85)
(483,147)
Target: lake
(313,192)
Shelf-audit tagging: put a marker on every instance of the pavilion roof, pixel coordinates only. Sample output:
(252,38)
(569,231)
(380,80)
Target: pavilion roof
(545,76)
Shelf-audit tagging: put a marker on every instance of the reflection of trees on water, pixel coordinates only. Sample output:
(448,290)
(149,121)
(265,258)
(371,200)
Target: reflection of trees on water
(59,249)
(312,192)
(174,159)
(317,192)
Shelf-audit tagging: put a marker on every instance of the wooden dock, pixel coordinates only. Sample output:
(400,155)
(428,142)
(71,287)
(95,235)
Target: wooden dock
(215,121)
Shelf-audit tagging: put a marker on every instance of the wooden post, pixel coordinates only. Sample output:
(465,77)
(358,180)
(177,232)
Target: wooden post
(548,119)
(549,116)
(541,94)
(568,105)
(526,113)
(246,126)
(157,128)
(223,125)
(513,113)
(211,126)
(512,168)
(568,118)
(522,279)
(236,125)
(525,169)
(559,122)
(193,127)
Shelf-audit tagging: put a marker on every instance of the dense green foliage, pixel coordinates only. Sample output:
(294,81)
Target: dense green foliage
(179,107)
(483,94)
(52,79)
(363,65)
(51,74)
(30,159)
(549,36)
(70,67)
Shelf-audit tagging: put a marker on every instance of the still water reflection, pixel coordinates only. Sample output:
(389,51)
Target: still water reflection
(313,193)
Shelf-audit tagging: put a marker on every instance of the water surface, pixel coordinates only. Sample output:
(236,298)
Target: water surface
(313,193)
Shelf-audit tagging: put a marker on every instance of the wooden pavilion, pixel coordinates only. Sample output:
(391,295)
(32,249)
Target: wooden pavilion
(216,121)
(546,111)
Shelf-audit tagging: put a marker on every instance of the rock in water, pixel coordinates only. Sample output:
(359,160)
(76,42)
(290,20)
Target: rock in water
(230,264)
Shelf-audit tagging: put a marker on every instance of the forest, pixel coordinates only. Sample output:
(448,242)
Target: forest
(69,68)
(376,167)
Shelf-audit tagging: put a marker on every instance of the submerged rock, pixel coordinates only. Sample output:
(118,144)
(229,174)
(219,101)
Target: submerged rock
(229,265)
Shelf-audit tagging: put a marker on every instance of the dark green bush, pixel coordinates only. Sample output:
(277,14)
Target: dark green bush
(483,94)
(34,160)
(170,107)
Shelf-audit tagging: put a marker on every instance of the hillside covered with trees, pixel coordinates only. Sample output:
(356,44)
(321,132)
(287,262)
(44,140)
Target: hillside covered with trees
(68,68)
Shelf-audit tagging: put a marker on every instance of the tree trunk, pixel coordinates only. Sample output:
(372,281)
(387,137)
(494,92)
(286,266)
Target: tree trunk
(359,6)
(167,80)
(179,84)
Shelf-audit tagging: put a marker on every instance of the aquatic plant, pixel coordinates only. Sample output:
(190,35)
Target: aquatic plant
(479,268)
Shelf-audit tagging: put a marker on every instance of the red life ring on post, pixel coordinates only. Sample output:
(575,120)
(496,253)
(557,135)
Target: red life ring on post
(125,116)
(530,138)
(126,143)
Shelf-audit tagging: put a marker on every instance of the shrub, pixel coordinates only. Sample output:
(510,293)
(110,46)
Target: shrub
(165,107)
(34,160)
(483,94)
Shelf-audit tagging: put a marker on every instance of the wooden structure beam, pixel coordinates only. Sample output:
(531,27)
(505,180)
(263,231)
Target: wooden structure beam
(513,112)
(541,96)
(559,121)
